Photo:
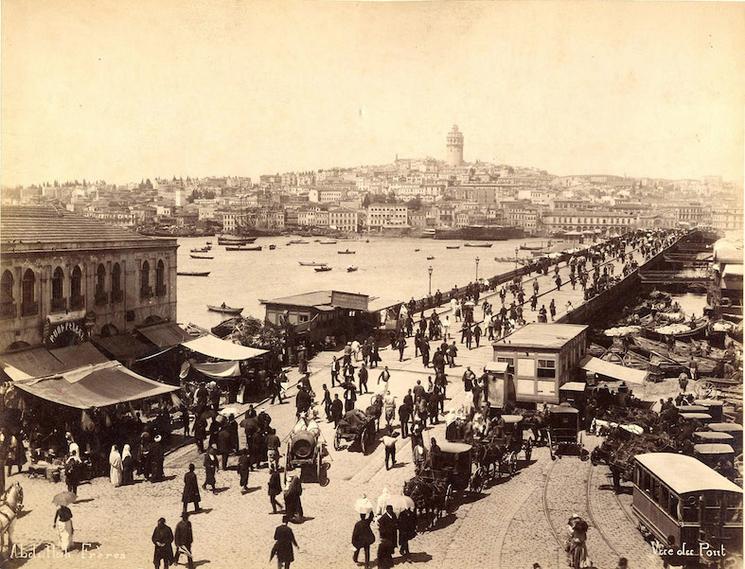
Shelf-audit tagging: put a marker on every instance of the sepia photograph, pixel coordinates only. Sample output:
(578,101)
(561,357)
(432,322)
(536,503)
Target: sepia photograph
(371,284)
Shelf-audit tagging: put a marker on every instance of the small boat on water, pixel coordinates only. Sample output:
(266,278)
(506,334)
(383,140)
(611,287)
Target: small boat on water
(297,242)
(430,258)
(311,264)
(322,269)
(478,244)
(193,256)
(241,248)
(417,250)
(225,309)
(209,242)
(272,247)
(193,273)
(327,242)
(347,252)
(351,269)
(234,240)
(200,250)
(452,247)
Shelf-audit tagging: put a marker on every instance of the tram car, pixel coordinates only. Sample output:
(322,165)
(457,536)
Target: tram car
(679,500)
(733,429)
(711,453)
(564,426)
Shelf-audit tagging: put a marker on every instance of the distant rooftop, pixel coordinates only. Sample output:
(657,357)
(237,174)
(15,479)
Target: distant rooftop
(322,300)
(534,335)
(38,224)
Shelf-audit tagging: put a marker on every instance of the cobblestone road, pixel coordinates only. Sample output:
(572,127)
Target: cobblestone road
(509,526)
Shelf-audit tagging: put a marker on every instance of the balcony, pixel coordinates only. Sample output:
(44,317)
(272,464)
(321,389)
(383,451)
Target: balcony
(101,298)
(8,309)
(117,296)
(146,292)
(160,290)
(59,304)
(29,308)
(77,302)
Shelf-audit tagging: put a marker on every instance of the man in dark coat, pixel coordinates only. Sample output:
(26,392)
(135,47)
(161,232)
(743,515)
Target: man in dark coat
(425,353)
(183,539)
(191,490)
(388,526)
(156,460)
(233,428)
(200,431)
(404,416)
(244,467)
(284,540)
(337,410)
(162,540)
(302,401)
(363,378)
(406,530)
(224,443)
(363,538)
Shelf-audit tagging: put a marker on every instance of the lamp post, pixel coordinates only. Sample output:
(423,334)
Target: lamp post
(429,270)
(477,268)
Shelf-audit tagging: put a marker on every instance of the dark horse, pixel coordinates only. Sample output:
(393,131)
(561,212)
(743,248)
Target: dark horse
(428,495)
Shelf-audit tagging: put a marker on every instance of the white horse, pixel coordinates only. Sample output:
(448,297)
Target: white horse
(10,505)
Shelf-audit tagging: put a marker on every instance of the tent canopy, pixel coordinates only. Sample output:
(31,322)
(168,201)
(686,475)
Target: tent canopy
(165,334)
(214,347)
(614,371)
(97,385)
(219,370)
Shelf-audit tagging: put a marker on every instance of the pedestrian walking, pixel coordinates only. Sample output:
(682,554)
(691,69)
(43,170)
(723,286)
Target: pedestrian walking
(244,468)
(210,467)
(274,488)
(293,502)
(404,416)
(183,538)
(337,410)
(335,368)
(406,530)
(63,523)
(284,540)
(363,375)
(389,441)
(362,538)
(72,472)
(401,346)
(162,540)
(388,526)
(115,470)
(190,494)
(327,403)
(224,440)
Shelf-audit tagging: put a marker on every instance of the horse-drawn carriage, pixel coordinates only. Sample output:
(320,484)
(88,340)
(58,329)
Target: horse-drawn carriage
(564,424)
(496,453)
(306,449)
(443,480)
(359,427)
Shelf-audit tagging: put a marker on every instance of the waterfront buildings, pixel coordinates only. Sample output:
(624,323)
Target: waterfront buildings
(65,277)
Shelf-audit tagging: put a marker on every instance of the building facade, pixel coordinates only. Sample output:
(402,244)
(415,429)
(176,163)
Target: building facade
(65,277)
(344,220)
(382,216)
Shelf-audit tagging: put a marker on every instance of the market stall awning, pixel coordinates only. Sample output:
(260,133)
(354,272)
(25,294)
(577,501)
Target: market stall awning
(573,386)
(39,362)
(165,334)
(214,347)
(614,371)
(219,370)
(97,385)
(124,347)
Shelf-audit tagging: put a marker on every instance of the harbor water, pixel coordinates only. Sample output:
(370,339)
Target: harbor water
(388,268)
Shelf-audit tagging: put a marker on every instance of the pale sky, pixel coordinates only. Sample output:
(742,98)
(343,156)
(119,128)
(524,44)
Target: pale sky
(134,89)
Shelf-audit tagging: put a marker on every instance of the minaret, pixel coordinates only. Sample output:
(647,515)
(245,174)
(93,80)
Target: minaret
(455,147)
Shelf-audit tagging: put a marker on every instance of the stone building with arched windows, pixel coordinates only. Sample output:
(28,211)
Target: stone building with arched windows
(65,277)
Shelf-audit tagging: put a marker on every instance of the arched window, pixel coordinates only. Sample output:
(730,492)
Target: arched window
(29,307)
(76,288)
(160,279)
(58,297)
(6,287)
(116,283)
(145,280)
(7,303)
(101,296)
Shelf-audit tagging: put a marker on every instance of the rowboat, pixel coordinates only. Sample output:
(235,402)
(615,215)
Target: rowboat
(234,240)
(430,258)
(272,247)
(693,333)
(193,273)
(225,309)
(311,264)
(239,248)
(322,269)
(297,242)
(347,252)
(478,244)
(193,256)
(525,247)
(452,247)
(327,242)
(351,269)
(417,250)
(200,250)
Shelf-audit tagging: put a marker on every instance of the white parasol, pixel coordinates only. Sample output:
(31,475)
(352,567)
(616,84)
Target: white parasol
(227,411)
(382,501)
(362,505)
(399,503)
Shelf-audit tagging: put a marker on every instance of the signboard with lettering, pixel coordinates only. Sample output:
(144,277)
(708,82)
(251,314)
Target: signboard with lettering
(65,334)
(349,300)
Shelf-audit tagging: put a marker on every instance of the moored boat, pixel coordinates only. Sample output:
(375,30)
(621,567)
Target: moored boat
(430,258)
(200,250)
(234,240)
(225,309)
(322,269)
(351,269)
(347,252)
(478,244)
(193,273)
(311,264)
(327,242)
(241,248)
(206,257)
(452,247)
(272,247)
(297,242)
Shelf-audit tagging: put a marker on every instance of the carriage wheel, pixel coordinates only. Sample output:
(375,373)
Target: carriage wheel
(337,440)
(513,463)
(363,441)
(449,497)
(477,483)
(704,389)
(319,466)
